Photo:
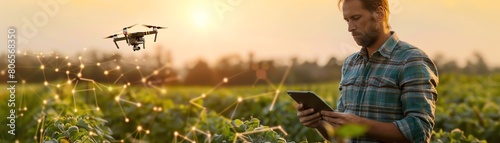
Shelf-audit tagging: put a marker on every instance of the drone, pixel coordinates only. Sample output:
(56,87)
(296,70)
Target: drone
(137,38)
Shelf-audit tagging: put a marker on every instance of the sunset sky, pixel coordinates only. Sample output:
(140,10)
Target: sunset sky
(272,29)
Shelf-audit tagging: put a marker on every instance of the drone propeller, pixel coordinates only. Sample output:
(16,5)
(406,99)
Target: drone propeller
(154,29)
(157,27)
(111,36)
(130,26)
(125,31)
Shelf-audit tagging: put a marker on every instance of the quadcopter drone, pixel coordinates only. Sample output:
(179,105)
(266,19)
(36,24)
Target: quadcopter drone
(136,38)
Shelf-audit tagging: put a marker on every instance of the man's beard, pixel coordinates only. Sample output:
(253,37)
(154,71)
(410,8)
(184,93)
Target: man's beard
(371,35)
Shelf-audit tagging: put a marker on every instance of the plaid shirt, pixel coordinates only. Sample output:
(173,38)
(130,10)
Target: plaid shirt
(396,84)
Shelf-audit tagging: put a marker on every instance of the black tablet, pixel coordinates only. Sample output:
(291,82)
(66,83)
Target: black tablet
(310,100)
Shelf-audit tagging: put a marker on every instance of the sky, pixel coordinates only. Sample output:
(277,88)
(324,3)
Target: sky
(276,29)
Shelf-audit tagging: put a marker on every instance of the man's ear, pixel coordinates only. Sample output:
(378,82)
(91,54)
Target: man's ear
(380,13)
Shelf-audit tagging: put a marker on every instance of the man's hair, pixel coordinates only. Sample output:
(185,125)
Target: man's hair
(372,5)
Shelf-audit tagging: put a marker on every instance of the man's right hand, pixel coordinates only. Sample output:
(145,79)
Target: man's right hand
(308,117)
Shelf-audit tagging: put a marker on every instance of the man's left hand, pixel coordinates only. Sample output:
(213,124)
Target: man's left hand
(338,119)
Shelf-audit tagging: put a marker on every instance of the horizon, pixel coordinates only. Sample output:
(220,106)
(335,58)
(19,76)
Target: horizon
(271,30)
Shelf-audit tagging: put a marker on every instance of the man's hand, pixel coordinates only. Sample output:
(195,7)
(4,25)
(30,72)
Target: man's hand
(338,119)
(308,117)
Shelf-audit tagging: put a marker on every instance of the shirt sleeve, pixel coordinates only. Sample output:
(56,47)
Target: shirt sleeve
(340,104)
(418,98)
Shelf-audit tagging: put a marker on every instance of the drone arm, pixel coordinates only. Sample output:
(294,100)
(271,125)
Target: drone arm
(126,38)
(155,36)
(116,44)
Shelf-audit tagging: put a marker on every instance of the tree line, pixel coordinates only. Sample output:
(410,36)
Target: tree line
(157,70)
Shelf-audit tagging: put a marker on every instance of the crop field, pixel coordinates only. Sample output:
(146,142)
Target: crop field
(138,113)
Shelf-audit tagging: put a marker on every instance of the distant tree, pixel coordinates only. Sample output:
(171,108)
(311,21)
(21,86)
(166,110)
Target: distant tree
(479,67)
(200,74)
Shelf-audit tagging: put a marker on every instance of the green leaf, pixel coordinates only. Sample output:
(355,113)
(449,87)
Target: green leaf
(351,130)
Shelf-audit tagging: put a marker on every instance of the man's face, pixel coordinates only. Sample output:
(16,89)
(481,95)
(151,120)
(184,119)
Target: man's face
(362,24)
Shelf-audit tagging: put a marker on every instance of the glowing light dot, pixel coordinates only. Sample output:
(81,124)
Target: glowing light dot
(90,133)
(126,120)
(139,128)
(128,83)
(98,64)
(147,132)
(25,108)
(155,72)
(82,66)
(124,86)
(137,67)
(39,120)
(117,98)
(106,72)
(160,109)
(24,81)
(42,67)
(56,96)
(209,135)
(138,104)
(57,57)
(117,67)
(69,64)
(41,130)
(57,70)
(193,128)
(85,49)
(225,80)
(240,99)
(73,91)
(122,141)
(66,57)
(110,88)
(278,91)
(203,95)
(176,133)
(45,83)
(3,72)
(79,57)
(67,72)
(69,82)
(143,80)
(79,75)
(76,110)
(44,101)
(97,108)
(163,91)
(154,108)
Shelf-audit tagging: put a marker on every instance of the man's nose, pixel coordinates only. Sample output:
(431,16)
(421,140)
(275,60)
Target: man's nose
(351,26)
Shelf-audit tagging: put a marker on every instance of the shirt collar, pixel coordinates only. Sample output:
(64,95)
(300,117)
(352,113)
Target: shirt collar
(386,49)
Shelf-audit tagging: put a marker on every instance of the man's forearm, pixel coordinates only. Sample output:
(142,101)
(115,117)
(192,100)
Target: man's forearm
(384,131)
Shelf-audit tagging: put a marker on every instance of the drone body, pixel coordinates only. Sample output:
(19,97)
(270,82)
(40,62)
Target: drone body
(137,38)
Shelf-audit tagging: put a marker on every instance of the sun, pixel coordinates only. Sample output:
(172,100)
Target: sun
(201,18)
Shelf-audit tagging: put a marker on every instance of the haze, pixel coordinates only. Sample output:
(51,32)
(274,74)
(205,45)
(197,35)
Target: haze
(278,29)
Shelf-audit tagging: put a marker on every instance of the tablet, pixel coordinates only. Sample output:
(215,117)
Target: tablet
(310,100)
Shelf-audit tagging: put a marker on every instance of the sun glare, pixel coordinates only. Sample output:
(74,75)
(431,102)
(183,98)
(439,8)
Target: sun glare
(201,18)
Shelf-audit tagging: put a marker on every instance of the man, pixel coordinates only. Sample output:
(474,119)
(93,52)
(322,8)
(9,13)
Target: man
(389,86)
